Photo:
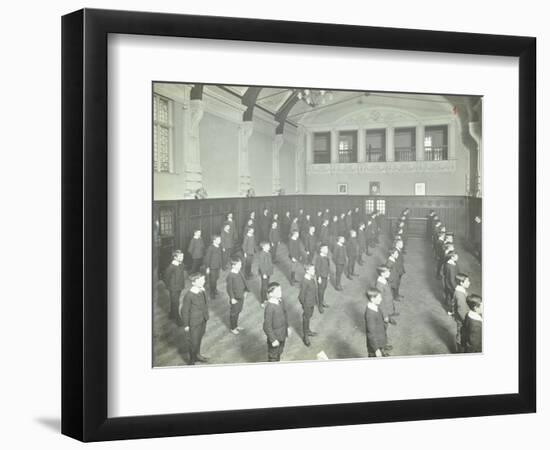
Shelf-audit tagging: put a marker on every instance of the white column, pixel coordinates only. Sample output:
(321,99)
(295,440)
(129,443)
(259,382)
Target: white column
(300,160)
(452,140)
(475,132)
(276,173)
(245,131)
(390,150)
(309,147)
(420,151)
(361,145)
(192,151)
(334,146)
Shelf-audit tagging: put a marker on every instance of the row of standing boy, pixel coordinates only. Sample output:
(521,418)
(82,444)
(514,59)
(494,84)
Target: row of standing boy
(301,251)
(313,285)
(466,309)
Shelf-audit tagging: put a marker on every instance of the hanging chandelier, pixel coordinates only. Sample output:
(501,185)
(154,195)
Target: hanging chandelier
(315,97)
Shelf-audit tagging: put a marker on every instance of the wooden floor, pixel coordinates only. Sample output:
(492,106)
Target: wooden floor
(423,327)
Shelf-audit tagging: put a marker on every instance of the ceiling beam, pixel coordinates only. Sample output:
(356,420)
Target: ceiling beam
(284,110)
(196,92)
(249,100)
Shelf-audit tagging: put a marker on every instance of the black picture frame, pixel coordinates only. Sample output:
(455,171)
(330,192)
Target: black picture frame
(84,224)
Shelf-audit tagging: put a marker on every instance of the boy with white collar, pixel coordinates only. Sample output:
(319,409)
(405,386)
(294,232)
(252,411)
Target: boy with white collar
(174,279)
(296,253)
(386,305)
(236,290)
(275,322)
(265,269)
(213,262)
(249,246)
(196,251)
(339,257)
(473,325)
(450,271)
(194,314)
(459,306)
(274,239)
(395,274)
(308,298)
(375,327)
(322,270)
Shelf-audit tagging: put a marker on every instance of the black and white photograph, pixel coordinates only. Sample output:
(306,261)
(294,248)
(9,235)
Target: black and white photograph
(293,224)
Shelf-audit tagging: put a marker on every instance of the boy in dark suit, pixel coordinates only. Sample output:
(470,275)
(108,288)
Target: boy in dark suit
(318,221)
(386,305)
(249,246)
(304,227)
(213,264)
(375,327)
(310,244)
(352,250)
(370,235)
(237,290)
(342,225)
(355,219)
(226,245)
(476,237)
(450,271)
(322,269)
(296,254)
(333,233)
(294,227)
(274,239)
(174,279)
(324,237)
(460,307)
(265,269)
(430,223)
(339,258)
(308,299)
(232,228)
(265,225)
(194,314)
(275,322)
(196,250)
(285,226)
(361,243)
(472,328)
(395,274)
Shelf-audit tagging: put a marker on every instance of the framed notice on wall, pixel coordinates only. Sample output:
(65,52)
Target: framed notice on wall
(419,188)
(116,384)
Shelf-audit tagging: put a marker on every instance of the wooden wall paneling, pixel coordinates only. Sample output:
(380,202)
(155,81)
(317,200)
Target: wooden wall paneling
(209,214)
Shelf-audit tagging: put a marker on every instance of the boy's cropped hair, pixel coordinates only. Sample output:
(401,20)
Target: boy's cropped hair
(176,253)
(473,301)
(272,286)
(371,293)
(195,230)
(381,269)
(195,276)
(461,277)
(235,261)
(214,237)
(308,266)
